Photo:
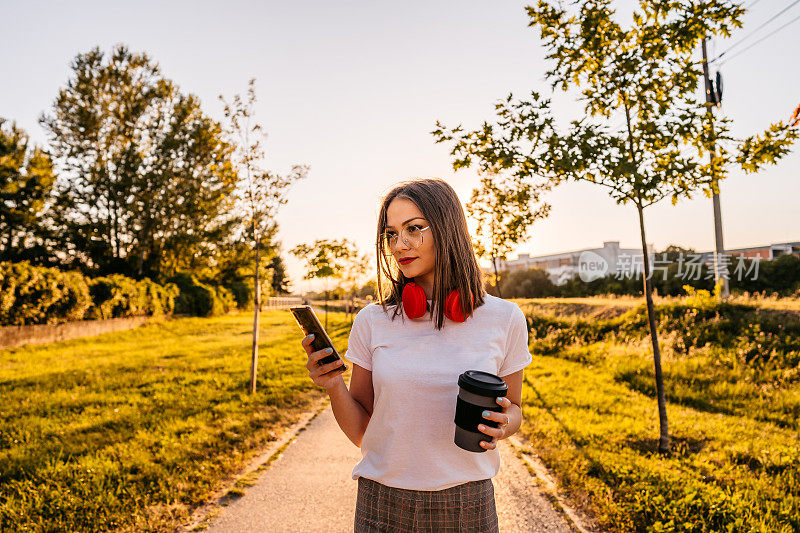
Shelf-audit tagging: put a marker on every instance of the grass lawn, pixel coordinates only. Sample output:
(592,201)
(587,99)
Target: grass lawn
(590,413)
(132,430)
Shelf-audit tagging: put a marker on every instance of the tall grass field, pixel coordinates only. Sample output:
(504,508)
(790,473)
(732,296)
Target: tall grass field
(130,431)
(732,379)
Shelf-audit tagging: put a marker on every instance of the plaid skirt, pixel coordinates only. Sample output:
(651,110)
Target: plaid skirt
(466,507)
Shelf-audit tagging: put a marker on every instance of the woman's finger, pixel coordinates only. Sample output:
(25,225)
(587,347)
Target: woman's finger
(494,432)
(324,369)
(315,357)
(307,340)
(501,417)
(489,445)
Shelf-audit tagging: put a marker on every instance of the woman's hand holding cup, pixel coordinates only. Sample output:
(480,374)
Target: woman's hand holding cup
(501,417)
(321,374)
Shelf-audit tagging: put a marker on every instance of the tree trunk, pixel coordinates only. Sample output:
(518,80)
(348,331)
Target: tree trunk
(496,278)
(256,308)
(663,442)
(326,310)
(116,230)
(352,306)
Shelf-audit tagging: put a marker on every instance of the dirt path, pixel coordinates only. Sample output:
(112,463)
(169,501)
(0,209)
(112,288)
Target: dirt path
(309,488)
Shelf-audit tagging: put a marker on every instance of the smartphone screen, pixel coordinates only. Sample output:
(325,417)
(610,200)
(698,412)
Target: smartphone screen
(309,323)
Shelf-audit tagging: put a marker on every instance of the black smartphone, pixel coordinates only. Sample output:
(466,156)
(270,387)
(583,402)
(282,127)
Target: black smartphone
(309,323)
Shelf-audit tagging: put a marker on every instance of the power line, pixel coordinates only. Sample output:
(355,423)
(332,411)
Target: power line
(763,38)
(778,14)
(754,2)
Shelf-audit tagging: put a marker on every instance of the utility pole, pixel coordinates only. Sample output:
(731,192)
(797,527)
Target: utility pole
(712,98)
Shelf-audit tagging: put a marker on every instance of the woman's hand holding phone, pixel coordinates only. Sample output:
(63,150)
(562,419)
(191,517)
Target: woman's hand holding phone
(325,375)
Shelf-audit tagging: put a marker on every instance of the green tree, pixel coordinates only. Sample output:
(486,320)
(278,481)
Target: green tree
(356,267)
(645,78)
(145,179)
(528,283)
(259,194)
(504,209)
(327,259)
(26,182)
(281,284)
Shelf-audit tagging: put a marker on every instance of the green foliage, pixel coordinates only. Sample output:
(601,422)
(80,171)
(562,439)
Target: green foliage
(147,174)
(224,301)
(26,181)
(332,258)
(40,295)
(280,283)
(504,210)
(118,296)
(199,299)
(242,294)
(780,275)
(529,283)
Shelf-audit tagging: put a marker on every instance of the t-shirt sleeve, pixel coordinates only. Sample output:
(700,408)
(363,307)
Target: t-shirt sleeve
(358,345)
(517,354)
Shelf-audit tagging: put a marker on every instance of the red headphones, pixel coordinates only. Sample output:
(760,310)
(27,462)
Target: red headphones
(415,303)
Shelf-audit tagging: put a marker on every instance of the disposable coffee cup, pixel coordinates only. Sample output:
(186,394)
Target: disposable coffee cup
(478,392)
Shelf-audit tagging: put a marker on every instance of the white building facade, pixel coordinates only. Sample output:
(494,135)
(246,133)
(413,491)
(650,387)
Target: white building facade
(588,264)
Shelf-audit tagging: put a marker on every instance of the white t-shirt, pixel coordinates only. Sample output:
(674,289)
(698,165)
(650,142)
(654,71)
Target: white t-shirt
(408,442)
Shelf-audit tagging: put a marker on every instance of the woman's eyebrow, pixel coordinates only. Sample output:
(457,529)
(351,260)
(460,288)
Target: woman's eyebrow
(406,222)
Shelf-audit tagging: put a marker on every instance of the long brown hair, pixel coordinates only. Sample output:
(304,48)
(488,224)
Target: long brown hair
(455,266)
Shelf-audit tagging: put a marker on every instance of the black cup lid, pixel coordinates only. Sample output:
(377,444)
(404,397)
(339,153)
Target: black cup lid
(482,383)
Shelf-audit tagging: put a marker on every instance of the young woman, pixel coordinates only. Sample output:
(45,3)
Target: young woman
(400,407)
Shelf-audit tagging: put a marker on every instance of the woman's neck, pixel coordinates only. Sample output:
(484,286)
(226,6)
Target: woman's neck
(427,285)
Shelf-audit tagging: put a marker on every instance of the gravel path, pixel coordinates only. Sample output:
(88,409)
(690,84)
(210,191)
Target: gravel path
(309,488)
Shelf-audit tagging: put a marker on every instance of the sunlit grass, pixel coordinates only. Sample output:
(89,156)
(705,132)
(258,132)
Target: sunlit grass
(590,412)
(131,430)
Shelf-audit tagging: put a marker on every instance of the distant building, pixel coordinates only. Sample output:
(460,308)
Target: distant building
(563,266)
(591,263)
(765,252)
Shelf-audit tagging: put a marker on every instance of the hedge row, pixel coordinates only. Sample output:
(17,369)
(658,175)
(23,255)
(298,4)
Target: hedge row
(39,295)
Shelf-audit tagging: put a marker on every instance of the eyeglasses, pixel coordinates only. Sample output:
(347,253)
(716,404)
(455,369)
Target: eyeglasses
(412,236)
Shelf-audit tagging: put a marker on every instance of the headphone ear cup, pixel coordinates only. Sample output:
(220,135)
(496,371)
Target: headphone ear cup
(452,307)
(415,302)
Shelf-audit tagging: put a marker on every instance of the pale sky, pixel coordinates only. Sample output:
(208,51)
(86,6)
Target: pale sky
(353,89)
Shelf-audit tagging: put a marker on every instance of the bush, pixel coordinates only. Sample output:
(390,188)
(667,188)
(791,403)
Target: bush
(224,300)
(40,295)
(199,299)
(530,283)
(242,294)
(119,296)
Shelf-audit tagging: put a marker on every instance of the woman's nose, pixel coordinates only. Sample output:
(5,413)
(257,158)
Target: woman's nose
(401,245)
